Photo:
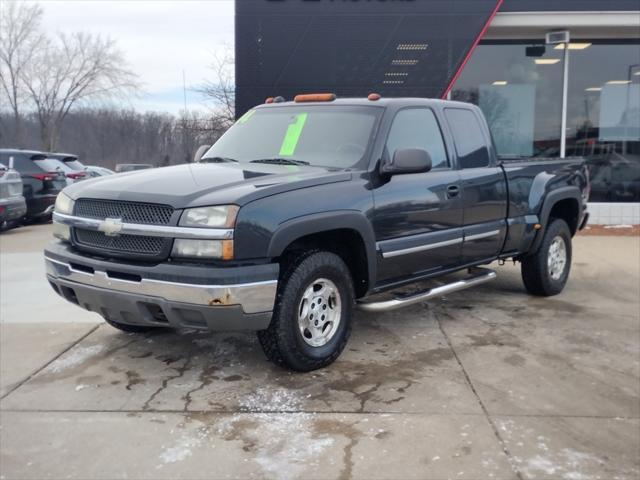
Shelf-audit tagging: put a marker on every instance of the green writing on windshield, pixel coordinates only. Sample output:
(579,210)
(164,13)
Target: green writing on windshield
(292,136)
(246,116)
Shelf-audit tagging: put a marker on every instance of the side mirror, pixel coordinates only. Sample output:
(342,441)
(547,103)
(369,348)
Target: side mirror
(202,149)
(408,160)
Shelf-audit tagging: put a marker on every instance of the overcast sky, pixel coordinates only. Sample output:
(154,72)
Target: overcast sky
(160,39)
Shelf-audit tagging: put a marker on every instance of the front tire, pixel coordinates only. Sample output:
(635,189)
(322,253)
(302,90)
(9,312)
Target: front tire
(312,317)
(546,272)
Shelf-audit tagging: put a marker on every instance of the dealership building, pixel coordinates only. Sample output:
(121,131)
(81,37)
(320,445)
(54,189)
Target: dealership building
(555,78)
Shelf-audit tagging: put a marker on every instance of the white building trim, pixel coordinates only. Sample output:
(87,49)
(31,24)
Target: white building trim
(603,24)
(614,213)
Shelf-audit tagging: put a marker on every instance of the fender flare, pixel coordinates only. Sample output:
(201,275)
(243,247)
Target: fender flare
(553,197)
(294,229)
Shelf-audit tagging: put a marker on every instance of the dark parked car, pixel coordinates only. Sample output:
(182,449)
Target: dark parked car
(130,167)
(12,204)
(40,186)
(303,210)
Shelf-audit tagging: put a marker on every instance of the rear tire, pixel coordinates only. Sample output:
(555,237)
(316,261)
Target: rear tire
(129,328)
(311,321)
(546,272)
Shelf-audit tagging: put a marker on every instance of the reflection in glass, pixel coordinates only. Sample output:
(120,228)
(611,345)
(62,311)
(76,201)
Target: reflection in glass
(518,86)
(603,117)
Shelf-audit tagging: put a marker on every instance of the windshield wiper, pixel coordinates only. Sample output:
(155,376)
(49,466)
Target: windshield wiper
(217,160)
(280,161)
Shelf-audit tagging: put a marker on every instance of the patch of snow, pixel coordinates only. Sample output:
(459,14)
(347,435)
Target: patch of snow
(567,464)
(80,387)
(77,356)
(180,450)
(285,446)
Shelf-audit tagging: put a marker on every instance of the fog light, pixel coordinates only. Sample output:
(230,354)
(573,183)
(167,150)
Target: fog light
(61,232)
(202,248)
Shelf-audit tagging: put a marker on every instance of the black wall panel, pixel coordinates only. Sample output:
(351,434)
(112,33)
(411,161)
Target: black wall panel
(351,47)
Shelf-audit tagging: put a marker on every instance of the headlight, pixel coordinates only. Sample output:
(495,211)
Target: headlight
(214,217)
(64,204)
(222,249)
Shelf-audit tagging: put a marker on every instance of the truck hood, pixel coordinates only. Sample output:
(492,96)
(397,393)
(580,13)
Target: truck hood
(194,185)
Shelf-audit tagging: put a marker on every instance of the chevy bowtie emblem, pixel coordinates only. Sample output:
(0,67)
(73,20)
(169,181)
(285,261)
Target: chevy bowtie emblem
(111,227)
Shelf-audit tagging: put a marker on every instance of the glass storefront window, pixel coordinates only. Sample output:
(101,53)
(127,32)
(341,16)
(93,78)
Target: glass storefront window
(518,86)
(603,117)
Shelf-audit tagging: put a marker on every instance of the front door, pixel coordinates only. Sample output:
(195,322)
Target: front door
(418,217)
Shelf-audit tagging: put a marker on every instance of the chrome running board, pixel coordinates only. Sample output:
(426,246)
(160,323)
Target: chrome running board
(476,276)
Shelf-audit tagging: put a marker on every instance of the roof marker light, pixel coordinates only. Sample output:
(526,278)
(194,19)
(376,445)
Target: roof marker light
(373,97)
(315,97)
(269,100)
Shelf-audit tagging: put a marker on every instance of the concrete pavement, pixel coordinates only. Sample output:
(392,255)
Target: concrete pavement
(488,383)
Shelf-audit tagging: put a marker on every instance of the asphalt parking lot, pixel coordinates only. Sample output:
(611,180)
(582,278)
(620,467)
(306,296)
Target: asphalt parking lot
(488,383)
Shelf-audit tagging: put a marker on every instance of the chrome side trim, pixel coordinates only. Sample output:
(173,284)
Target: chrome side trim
(253,297)
(477,276)
(147,230)
(421,248)
(478,236)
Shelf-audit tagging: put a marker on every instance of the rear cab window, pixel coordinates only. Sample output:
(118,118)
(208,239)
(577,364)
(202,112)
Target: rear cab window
(470,142)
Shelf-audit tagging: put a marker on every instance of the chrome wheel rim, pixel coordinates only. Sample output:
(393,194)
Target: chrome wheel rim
(557,257)
(319,312)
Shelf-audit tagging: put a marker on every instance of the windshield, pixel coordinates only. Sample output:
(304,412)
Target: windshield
(328,136)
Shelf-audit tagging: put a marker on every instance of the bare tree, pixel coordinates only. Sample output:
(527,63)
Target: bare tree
(70,70)
(221,89)
(20,39)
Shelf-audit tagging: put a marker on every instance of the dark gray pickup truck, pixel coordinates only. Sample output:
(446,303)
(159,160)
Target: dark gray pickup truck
(303,211)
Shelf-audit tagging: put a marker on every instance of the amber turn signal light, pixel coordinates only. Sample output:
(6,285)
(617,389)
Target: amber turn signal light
(315,97)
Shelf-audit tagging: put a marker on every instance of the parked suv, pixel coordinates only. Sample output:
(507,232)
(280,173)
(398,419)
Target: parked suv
(40,186)
(12,204)
(303,210)
(73,169)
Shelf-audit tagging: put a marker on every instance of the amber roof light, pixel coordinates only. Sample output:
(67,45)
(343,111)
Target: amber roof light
(315,97)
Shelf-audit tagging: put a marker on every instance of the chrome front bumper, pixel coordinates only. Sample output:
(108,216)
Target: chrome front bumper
(195,296)
(252,297)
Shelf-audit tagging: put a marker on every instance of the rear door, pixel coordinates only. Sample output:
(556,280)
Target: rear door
(484,188)
(417,217)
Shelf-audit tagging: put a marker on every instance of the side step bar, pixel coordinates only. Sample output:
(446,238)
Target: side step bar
(476,277)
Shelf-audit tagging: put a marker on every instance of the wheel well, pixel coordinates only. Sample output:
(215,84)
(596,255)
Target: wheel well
(569,211)
(344,242)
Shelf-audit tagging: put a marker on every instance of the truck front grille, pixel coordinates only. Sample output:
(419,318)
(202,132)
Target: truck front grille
(129,212)
(132,244)
(123,246)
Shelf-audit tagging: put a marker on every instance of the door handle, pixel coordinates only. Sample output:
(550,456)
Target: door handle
(453,191)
